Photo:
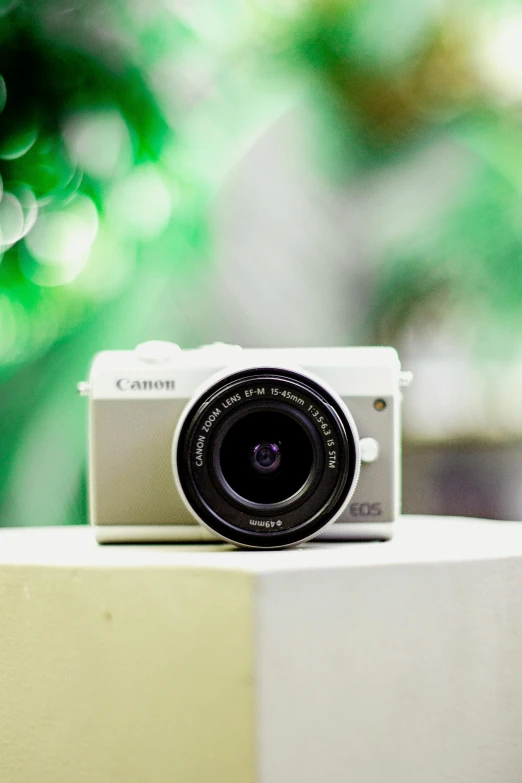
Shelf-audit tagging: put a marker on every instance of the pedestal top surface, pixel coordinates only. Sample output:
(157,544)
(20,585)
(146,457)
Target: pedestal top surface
(417,539)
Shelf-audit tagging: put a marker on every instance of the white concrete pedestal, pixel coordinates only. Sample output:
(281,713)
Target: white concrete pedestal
(396,662)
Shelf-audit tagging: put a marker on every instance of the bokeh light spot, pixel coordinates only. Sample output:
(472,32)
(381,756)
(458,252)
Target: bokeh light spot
(499,53)
(11,220)
(99,142)
(110,267)
(28,203)
(140,204)
(59,242)
(18,143)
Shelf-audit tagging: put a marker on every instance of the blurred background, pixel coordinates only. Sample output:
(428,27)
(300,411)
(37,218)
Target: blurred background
(264,172)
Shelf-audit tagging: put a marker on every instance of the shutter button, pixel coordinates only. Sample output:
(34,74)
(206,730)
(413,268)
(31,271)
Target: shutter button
(156,351)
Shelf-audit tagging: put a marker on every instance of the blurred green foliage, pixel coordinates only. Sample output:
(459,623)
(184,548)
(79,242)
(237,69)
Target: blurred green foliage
(89,182)
(391,79)
(118,122)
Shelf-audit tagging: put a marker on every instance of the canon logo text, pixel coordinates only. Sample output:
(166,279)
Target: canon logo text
(126,384)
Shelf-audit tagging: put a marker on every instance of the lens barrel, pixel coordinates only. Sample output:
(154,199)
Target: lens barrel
(266,457)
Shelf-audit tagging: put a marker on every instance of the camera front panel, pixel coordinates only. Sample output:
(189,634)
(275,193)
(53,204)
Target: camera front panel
(131,482)
(376,499)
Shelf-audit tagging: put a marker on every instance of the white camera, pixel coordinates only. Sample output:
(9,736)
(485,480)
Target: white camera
(261,448)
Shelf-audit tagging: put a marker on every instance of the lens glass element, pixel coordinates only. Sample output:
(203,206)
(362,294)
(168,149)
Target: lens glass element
(266,457)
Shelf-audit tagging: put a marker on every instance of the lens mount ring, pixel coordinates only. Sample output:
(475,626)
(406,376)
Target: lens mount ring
(228,402)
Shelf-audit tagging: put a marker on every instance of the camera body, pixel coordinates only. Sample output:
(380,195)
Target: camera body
(332,413)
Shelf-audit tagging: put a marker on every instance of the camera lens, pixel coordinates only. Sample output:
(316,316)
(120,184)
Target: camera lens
(265,456)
